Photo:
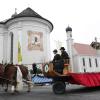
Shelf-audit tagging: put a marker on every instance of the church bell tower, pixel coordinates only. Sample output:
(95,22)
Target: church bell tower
(70,46)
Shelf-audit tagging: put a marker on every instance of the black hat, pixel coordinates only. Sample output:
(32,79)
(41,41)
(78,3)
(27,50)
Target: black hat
(34,64)
(62,48)
(55,50)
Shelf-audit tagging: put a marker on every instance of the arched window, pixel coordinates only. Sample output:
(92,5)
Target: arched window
(90,62)
(84,70)
(96,63)
(83,59)
(11,50)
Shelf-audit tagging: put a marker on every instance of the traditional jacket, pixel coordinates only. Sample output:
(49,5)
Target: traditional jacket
(56,58)
(64,55)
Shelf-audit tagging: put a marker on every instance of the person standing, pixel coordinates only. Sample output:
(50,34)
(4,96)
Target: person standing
(57,56)
(34,68)
(64,55)
(57,62)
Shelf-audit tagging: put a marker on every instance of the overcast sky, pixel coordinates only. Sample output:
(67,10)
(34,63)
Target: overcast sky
(82,15)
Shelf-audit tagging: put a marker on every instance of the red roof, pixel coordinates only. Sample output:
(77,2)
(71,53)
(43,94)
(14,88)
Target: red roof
(84,49)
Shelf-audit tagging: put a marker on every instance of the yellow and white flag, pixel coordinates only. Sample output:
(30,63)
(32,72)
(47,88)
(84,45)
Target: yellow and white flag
(19,49)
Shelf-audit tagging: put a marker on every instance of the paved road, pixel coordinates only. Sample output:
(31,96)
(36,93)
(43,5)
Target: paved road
(73,92)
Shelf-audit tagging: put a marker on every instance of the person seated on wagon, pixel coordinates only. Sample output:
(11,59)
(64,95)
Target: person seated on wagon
(64,55)
(57,56)
(57,62)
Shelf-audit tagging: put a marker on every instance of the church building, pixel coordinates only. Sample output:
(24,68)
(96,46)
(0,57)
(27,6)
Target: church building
(83,57)
(25,38)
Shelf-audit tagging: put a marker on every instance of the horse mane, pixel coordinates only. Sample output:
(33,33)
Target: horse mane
(1,69)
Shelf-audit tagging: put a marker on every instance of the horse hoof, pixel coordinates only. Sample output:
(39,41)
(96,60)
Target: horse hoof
(13,93)
(28,91)
(16,91)
(6,90)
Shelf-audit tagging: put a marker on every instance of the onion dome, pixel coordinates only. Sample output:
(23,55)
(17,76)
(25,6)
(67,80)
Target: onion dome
(68,29)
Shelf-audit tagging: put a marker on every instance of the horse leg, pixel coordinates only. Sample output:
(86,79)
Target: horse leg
(6,88)
(29,80)
(16,88)
(12,88)
(29,87)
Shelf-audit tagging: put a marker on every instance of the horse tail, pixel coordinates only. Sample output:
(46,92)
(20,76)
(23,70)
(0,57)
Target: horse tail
(19,79)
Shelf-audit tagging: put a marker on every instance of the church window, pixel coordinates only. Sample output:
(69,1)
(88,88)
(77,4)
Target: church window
(90,62)
(96,63)
(84,70)
(11,51)
(83,59)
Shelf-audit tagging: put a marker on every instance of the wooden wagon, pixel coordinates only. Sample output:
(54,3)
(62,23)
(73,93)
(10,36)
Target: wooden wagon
(59,80)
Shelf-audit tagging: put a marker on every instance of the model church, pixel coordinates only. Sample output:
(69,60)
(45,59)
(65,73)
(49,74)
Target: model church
(83,57)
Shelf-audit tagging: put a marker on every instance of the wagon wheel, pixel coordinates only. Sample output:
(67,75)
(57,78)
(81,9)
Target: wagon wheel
(59,87)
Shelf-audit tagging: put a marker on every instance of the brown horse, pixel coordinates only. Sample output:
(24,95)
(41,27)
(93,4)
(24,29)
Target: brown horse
(1,73)
(10,75)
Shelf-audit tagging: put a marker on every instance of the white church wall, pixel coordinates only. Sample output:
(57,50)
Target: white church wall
(74,51)
(80,66)
(1,48)
(34,55)
(8,48)
(30,56)
(97,68)
(76,63)
(92,68)
(2,28)
(13,29)
(87,66)
(3,43)
(15,46)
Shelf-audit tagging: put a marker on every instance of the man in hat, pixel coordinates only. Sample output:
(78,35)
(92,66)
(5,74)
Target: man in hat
(34,68)
(64,55)
(57,62)
(57,56)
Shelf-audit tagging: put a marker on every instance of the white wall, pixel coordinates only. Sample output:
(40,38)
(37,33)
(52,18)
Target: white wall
(1,48)
(28,57)
(76,63)
(97,69)
(3,43)
(93,68)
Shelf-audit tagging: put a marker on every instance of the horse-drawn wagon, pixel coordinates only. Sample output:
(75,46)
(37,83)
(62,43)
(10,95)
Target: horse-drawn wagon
(59,80)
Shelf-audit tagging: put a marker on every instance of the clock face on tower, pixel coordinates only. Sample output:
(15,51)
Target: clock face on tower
(35,40)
